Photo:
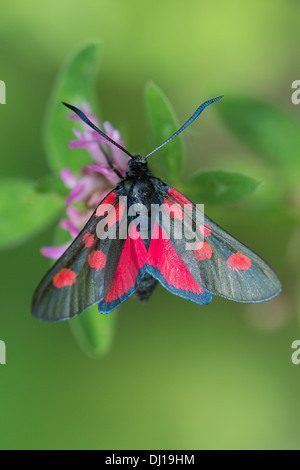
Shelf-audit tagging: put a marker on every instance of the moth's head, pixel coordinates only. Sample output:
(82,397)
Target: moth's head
(138,158)
(137,162)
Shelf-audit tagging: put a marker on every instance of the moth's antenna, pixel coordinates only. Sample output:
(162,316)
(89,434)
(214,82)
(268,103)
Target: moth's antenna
(89,123)
(192,118)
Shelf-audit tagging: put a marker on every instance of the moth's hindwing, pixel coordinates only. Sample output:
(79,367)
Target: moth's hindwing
(129,272)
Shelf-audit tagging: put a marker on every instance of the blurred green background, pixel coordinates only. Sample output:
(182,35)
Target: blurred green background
(178,376)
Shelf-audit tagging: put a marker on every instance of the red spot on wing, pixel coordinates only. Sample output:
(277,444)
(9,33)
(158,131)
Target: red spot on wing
(65,277)
(132,259)
(163,256)
(179,197)
(238,261)
(97,259)
(115,214)
(88,239)
(173,209)
(110,198)
(106,205)
(205,230)
(202,251)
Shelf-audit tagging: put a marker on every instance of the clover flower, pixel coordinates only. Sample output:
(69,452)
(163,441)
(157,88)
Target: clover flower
(95,180)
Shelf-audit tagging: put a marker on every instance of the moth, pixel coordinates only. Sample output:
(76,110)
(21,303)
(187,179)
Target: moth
(107,270)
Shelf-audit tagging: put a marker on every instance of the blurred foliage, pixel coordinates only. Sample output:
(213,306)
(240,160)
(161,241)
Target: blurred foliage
(220,187)
(74,85)
(51,184)
(270,132)
(94,332)
(163,124)
(24,212)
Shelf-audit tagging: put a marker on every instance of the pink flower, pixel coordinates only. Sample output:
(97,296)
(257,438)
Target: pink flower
(90,139)
(95,180)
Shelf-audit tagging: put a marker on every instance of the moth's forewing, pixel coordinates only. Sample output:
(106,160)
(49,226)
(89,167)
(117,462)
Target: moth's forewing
(83,275)
(221,264)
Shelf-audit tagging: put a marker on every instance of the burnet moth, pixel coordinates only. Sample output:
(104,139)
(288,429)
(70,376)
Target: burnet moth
(104,266)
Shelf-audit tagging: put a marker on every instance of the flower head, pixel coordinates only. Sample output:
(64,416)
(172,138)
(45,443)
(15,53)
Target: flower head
(95,180)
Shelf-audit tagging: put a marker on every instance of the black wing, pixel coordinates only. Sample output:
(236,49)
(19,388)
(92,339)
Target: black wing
(84,274)
(219,263)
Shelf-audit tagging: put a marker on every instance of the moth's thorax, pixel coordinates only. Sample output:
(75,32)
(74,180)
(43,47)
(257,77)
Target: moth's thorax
(138,182)
(143,191)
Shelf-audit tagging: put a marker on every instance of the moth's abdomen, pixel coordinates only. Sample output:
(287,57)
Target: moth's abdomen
(146,287)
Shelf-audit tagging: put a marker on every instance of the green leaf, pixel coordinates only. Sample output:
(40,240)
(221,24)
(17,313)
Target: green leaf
(75,86)
(52,184)
(61,236)
(94,331)
(217,187)
(23,211)
(163,123)
(266,129)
